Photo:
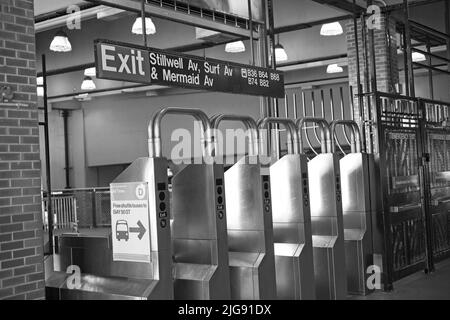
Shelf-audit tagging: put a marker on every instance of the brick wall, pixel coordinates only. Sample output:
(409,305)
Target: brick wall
(385,57)
(21,239)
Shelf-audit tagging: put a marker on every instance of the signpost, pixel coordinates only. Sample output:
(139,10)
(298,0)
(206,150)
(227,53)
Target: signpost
(130,222)
(127,62)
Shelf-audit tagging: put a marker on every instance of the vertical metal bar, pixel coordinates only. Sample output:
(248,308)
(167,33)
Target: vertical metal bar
(144,26)
(373,70)
(430,72)
(405,62)
(286,106)
(425,187)
(47,160)
(447,29)
(294,98)
(250,17)
(412,90)
(65,115)
(275,109)
(277,145)
(94,209)
(264,103)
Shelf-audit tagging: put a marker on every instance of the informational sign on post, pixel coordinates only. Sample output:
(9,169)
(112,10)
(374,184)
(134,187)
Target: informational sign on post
(127,62)
(130,222)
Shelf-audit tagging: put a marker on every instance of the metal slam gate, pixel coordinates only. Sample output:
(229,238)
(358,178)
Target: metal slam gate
(410,140)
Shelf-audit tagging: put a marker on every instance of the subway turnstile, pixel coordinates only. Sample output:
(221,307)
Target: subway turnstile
(291,219)
(199,227)
(358,205)
(104,275)
(326,217)
(249,221)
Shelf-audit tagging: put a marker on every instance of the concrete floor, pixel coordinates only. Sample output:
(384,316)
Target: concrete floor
(419,286)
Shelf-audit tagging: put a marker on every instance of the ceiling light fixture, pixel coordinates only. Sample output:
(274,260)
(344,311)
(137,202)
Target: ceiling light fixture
(334,68)
(149,26)
(90,72)
(418,57)
(280,53)
(88,84)
(331,29)
(60,42)
(235,47)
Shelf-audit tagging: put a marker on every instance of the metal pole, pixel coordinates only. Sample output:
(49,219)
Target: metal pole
(250,17)
(264,103)
(65,115)
(47,161)
(405,62)
(412,90)
(447,29)
(276,147)
(144,27)
(430,72)
(373,70)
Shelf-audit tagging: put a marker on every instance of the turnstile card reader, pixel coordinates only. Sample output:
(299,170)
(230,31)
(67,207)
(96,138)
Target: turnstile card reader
(134,270)
(326,217)
(249,221)
(199,227)
(291,219)
(358,199)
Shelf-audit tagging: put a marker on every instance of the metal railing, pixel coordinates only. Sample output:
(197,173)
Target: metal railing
(64,213)
(79,208)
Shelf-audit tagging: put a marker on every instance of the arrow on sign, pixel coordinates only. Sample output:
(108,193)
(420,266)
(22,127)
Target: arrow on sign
(140,229)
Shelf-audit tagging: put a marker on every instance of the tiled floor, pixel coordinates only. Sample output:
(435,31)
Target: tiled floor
(419,286)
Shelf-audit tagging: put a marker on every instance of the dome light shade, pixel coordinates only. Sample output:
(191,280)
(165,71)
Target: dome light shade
(90,72)
(235,47)
(88,84)
(280,53)
(149,26)
(418,57)
(40,91)
(331,29)
(60,42)
(334,68)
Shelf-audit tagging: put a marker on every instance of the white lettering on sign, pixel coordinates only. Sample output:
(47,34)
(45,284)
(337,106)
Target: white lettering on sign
(106,57)
(132,63)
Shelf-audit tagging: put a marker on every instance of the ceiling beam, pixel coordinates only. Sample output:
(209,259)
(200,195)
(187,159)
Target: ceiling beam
(177,16)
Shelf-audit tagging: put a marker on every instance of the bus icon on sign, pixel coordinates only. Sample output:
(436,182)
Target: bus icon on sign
(122,230)
(140,191)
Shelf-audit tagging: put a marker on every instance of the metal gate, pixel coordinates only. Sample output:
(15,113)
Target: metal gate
(437,148)
(411,141)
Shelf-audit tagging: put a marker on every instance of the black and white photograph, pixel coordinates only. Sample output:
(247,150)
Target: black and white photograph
(230,159)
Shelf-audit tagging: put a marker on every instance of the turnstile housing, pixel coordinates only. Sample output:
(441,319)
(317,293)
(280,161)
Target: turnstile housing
(292,228)
(199,233)
(327,227)
(250,233)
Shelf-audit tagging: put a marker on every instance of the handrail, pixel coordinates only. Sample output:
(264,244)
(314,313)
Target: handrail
(292,136)
(325,134)
(356,136)
(154,129)
(249,123)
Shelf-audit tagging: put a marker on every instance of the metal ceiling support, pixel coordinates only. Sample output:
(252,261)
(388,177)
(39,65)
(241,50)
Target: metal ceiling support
(306,25)
(62,12)
(342,5)
(293,63)
(183,14)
